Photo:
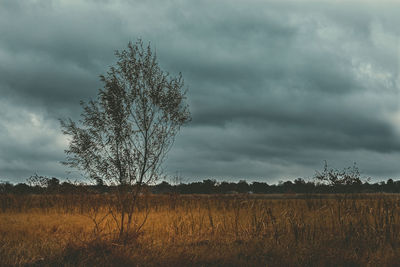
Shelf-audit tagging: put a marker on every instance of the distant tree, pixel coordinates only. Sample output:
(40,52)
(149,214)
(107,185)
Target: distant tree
(38,181)
(163,187)
(334,177)
(68,187)
(5,187)
(259,188)
(208,186)
(225,187)
(99,182)
(43,184)
(390,186)
(301,186)
(124,135)
(243,186)
(53,183)
(22,188)
(288,187)
(299,182)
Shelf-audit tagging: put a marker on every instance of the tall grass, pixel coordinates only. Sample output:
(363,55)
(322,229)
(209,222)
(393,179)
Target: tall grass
(235,230)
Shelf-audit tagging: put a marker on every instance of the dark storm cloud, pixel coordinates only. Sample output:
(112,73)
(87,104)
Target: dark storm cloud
(276,87)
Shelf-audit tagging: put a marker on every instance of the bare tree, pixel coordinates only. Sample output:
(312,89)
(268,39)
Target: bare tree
(347,176)
(124,135)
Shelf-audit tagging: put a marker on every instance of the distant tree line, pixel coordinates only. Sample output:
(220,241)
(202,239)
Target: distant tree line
(299,186)
(328,180)
(208,186)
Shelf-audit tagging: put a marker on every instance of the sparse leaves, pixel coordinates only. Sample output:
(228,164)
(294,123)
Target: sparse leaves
(124,134)
(347,176)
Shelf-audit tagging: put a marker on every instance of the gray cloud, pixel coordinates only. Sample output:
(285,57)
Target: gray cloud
(276,87)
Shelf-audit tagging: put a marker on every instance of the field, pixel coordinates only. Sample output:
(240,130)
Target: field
(207,230)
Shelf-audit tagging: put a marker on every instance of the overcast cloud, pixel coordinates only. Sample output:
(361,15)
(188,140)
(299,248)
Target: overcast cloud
(275,87)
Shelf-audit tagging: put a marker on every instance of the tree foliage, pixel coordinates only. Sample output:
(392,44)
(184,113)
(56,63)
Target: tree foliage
(125,133)
(347,176)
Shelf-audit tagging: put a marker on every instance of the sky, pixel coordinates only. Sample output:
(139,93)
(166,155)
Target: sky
(275,87)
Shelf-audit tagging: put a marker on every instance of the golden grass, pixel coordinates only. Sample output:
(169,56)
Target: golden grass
(354,230)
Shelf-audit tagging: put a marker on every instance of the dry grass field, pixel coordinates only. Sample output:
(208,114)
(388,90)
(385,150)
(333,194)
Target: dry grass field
(226,230)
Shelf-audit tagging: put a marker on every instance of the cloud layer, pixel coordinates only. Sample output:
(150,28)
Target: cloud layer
(275,87)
